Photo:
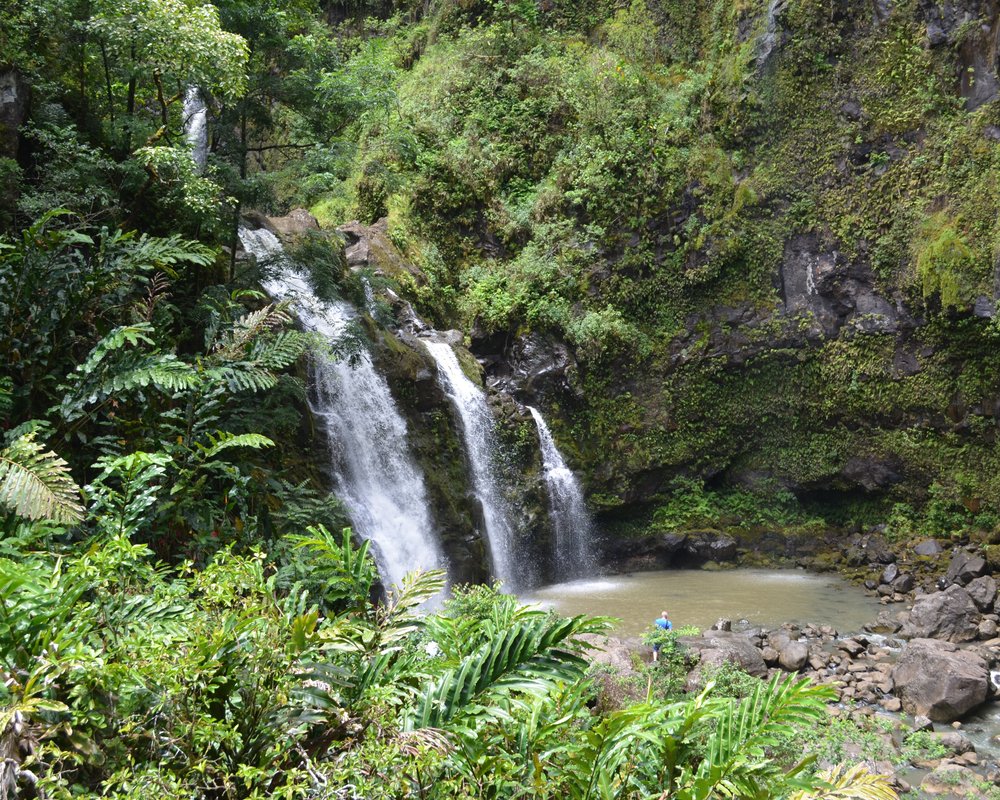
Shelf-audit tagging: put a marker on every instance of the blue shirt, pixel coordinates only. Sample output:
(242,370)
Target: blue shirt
(666,624)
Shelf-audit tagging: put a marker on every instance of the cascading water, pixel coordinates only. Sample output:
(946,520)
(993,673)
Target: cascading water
(195,115)
(479,435)
(374,474)
(573,551)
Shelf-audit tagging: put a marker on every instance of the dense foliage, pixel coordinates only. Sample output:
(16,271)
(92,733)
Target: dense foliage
(176,619)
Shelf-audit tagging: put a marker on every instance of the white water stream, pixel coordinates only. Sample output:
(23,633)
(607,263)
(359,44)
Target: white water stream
(479,436)
(573,555)
(374,474)
(195,115)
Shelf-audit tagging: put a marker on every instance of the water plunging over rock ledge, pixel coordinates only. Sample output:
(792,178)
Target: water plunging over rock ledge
(373,471)
(573,551)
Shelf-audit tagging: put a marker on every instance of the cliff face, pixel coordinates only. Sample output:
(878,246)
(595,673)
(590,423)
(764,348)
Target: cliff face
(743,253)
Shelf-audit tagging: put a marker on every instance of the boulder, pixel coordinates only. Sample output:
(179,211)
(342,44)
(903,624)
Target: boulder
(949,615)
(885,622)
(956,742)
(928,547)
(983,591)
(718,647)
(793,656)
(938,680)
(890,573)
(903,584)
(964,567)
(952,780)
(295,224)
(710,546)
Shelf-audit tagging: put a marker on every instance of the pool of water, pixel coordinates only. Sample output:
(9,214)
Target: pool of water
(695,597)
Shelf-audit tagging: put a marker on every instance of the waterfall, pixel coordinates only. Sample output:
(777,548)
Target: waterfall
(479,435)
(195,116)
(374,474)
(573,528)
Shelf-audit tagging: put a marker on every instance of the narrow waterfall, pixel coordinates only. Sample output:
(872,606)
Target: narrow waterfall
(479,435)
(573,528)
(374,474)
(195,115)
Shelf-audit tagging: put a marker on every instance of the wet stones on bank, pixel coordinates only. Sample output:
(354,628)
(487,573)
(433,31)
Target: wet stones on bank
(925,668)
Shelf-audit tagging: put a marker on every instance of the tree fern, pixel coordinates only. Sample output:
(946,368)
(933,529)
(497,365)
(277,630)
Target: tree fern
(35,483)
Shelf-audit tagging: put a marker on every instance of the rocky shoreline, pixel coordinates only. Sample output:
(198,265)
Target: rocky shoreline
(929,659)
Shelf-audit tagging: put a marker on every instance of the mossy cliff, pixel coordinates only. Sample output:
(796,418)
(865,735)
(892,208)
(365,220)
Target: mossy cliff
(742,254)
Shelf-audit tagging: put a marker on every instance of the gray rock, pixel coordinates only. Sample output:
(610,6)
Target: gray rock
(718,647)
(950,615)
(294,225)
(987,630)
(851,646)
(921,722)
(928,547)
(983,591)
(938,680)
(890,573)
(793,656)
(964,567)
(956,742)
(886,622)
(903,584)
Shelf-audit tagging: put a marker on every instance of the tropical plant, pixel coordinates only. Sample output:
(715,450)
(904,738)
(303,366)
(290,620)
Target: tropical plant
(35,483)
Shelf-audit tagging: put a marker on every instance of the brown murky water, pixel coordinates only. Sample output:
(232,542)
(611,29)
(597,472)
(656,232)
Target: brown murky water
(694,597)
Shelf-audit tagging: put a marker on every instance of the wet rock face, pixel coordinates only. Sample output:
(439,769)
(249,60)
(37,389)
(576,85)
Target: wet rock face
(13,110)
(532,367)
(939,680)
(970,27)
(816,278)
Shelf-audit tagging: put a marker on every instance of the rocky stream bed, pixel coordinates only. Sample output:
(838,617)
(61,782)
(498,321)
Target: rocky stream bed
(929,661)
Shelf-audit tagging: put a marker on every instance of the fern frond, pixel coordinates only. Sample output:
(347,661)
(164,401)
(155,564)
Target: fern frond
(234,341)
(278,351)
(849,783)
(35,483)
(223,440)
(161,253)
(399,618)
(521,659)
(116,340)
(243,377)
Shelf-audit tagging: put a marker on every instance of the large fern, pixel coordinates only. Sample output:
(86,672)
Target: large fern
(736,762)
(525,657)
(35,483)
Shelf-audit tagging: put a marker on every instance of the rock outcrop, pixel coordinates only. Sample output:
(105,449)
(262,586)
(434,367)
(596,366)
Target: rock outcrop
(950,615)
(940,680)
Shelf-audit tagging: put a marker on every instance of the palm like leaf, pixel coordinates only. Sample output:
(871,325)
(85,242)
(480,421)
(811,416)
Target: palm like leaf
(35,483)
(849,783)
(522,658)
(735,762)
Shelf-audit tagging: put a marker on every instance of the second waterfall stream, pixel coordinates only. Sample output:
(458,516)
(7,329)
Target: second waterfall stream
(374,473)
(479,435)
(573,552)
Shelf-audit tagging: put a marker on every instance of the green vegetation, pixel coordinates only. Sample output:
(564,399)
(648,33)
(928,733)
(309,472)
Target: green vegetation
(767,234)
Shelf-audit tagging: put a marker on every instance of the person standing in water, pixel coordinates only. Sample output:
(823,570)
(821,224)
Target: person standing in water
(663,623)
